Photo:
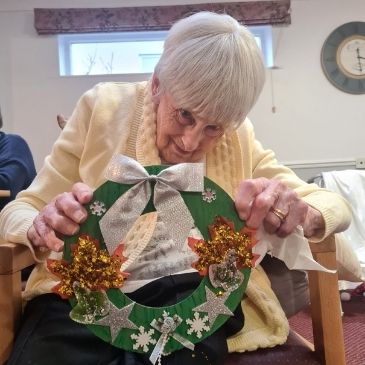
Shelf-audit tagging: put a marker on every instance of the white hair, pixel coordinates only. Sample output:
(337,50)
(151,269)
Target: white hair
(212,66)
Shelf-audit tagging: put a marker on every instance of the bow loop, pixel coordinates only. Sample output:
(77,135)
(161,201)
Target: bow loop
(168,202)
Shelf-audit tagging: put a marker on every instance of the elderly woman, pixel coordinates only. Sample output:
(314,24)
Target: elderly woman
(193,109)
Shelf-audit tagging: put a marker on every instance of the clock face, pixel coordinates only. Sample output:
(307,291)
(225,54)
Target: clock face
(343,57)
(351,56)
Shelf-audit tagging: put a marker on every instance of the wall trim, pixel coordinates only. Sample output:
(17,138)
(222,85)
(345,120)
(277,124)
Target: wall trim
(319,164)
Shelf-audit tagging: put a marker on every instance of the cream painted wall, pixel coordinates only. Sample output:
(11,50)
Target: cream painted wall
(314,122)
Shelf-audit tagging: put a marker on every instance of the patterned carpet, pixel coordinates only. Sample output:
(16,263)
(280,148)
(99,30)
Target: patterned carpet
(353,327)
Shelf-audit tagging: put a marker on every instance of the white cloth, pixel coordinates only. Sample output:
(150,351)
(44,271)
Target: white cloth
(294,250)
(351,185)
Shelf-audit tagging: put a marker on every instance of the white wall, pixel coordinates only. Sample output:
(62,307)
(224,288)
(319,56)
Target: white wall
(313,122)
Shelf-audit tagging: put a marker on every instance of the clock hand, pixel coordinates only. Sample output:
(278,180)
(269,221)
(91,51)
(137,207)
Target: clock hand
(358,59)
(358,54)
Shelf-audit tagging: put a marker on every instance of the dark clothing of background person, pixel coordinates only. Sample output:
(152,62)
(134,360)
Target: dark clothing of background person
(17,168)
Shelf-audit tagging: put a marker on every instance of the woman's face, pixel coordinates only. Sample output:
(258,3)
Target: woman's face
(180,136)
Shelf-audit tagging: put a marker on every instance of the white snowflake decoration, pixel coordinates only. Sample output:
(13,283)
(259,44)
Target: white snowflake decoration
(97,208)
(143,339)
(198,325)
(209,195)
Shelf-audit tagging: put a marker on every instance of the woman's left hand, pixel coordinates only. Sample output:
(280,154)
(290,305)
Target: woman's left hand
(275,206)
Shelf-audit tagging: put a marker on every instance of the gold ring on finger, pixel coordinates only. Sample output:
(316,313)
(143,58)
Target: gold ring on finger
(279,213)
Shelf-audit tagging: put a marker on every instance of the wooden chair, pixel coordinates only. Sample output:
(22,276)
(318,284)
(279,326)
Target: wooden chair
(328,347)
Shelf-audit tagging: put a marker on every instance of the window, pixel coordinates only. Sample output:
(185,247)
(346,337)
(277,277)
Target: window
(126,53)
(263,36)
(109,53)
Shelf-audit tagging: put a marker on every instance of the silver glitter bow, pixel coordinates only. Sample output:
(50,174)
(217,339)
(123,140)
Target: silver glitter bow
(167,326)
(167,200)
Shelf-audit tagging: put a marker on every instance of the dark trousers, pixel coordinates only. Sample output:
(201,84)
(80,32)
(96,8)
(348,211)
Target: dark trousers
(48,336)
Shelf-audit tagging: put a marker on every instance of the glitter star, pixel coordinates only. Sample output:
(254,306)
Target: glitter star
(214,305)
(117,319)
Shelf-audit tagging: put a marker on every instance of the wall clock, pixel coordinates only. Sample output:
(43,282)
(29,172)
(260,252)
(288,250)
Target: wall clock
(343,57)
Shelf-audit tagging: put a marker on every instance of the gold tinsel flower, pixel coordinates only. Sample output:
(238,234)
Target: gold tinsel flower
(223,239)
(93,268)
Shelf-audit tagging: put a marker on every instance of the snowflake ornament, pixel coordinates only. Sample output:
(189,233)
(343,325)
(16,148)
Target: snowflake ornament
(198,325)
(97,208)
(143,339)
(209,195)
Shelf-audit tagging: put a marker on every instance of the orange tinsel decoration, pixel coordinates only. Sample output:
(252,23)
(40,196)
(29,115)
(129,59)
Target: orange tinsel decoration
(90,266)
(223,239)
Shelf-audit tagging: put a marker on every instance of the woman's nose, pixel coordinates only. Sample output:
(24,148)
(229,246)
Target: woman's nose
(191,138)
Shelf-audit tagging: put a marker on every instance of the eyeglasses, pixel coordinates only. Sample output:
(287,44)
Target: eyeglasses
(185,118)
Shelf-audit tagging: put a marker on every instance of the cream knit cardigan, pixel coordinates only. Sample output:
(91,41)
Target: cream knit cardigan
(119,118)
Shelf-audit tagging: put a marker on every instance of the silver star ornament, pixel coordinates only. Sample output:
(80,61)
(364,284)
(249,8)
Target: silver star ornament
(117,319)
(214,305)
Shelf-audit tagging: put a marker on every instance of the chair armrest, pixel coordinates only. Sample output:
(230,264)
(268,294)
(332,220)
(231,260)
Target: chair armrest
(13,258)
(326,305)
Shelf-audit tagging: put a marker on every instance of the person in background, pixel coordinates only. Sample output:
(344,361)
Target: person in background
(17,169)
(193,109)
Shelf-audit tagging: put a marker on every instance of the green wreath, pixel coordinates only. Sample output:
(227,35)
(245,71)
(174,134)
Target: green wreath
(90,276)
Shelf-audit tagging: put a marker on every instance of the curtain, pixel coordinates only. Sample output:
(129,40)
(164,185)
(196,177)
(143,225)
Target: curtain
(88,20)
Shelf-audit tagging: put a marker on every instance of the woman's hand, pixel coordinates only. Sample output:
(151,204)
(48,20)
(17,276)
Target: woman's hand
(275,206)
(62,216)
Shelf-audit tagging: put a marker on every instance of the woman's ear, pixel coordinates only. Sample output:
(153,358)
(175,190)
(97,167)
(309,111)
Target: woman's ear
(155,89)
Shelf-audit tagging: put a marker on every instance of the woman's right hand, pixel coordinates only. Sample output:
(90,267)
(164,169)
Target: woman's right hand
(62,216)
